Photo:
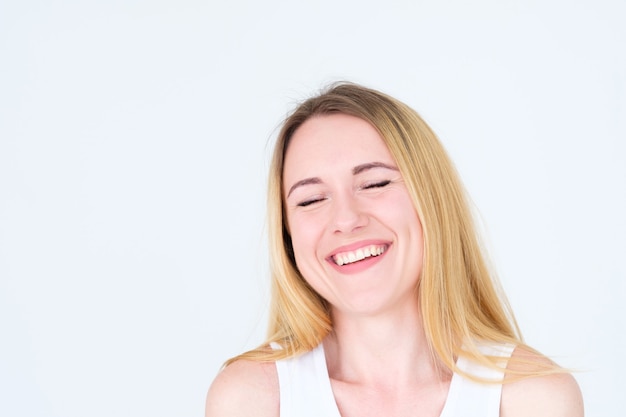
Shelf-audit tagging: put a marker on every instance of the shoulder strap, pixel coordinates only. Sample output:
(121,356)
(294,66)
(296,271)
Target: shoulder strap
(305,389)
(467,398)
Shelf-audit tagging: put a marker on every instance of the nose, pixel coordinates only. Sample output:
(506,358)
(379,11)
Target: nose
(347,214)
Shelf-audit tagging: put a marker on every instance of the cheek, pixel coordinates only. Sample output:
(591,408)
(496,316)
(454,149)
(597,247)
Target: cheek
(305,234)
(406,219)
(400,208)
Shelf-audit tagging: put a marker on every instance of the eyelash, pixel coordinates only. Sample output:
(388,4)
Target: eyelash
(306,203)
(380,184)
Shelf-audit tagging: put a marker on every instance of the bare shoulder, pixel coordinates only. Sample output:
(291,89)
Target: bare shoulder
(555,395)
(244,388)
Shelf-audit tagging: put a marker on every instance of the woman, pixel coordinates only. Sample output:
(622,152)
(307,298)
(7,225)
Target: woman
(382,302)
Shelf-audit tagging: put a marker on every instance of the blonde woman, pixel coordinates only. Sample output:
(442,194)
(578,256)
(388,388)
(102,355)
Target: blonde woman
(382,302)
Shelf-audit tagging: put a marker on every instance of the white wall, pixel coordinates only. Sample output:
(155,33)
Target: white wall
(134,138)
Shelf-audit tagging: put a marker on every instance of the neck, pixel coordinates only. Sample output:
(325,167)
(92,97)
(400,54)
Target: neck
(387,349)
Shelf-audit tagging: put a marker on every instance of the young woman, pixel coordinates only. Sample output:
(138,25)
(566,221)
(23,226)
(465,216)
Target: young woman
(382,302)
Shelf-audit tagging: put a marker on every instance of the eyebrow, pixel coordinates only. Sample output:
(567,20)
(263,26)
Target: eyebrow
(370,165)
(306,181)
(355,171)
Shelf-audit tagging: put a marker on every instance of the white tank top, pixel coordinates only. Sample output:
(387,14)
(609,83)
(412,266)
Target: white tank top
(305,389)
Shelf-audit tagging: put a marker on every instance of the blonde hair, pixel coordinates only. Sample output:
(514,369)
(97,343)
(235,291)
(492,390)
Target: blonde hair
(460,299)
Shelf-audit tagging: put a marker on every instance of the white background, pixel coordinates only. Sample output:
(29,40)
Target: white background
(134,143)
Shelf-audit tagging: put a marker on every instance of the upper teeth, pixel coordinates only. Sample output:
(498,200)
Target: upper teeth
(358,255)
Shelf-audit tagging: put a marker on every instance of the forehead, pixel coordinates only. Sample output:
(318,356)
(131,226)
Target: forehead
(332,140)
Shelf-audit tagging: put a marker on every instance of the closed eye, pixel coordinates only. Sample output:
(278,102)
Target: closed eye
(306,203)
(379,184)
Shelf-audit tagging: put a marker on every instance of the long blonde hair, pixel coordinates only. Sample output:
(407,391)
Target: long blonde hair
(460,298)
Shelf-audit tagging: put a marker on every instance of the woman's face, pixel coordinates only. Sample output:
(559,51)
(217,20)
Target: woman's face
(356,236)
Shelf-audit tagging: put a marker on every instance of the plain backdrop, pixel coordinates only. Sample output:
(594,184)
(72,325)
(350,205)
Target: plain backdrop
(134,143)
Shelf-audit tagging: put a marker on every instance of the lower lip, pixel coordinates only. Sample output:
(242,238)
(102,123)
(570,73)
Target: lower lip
(359,266)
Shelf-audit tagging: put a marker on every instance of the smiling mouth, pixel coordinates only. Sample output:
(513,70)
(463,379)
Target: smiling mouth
(350,257)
